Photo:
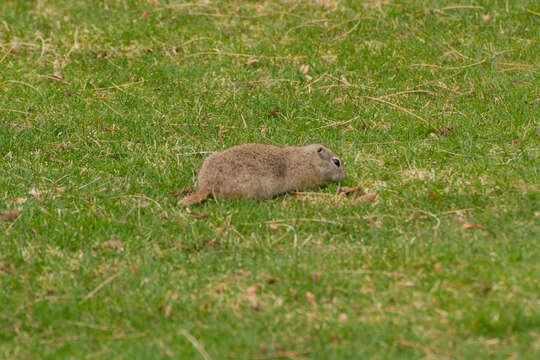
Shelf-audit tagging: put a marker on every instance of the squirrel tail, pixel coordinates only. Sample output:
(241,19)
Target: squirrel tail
(196,198)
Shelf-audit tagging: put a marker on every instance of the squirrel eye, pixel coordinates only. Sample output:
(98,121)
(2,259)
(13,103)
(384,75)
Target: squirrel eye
(320,150)
(336,161)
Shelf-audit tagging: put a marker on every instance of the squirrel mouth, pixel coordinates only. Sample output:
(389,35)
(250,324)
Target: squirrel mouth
(339,177)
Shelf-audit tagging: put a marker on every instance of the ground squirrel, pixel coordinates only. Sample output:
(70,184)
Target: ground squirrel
(261,171)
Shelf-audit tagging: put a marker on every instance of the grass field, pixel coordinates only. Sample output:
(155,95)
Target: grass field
(108,108)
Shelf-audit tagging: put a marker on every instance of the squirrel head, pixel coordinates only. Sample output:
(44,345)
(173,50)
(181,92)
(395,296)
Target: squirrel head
(326,162)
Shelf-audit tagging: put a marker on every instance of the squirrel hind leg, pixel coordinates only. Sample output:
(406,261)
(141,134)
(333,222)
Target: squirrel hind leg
(196,198)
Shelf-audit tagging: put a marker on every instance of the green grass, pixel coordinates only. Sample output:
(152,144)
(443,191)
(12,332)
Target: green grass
(107,107)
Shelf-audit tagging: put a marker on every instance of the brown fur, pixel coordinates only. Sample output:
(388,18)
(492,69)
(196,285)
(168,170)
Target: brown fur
(263,171)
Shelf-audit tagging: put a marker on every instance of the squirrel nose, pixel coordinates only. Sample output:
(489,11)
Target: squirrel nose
(336,161)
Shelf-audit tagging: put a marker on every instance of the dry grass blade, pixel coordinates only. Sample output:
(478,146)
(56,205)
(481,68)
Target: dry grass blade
(404,92)
(441,45)
(196,344)
(144,197)
(231,54)
(82,337)
(472,226)
(383,143)
(402,109)
(451,67)
(367,198)
(531,12)
(455,7)
(15,111)
(426,349)
(100,286)
(338,123)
